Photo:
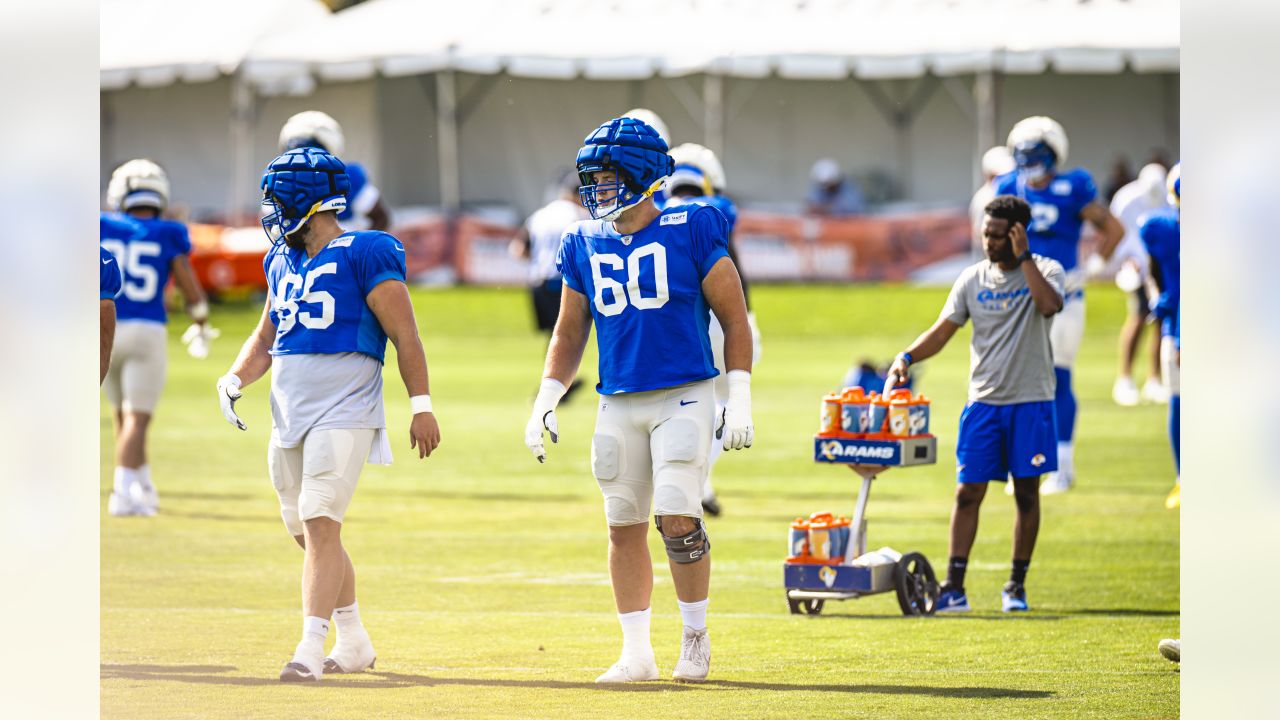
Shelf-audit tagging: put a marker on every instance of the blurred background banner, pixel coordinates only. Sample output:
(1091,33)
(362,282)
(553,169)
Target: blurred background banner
(466,114)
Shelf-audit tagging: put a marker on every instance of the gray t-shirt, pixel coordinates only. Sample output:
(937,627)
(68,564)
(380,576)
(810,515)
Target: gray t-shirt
(1010,359)
(317,391)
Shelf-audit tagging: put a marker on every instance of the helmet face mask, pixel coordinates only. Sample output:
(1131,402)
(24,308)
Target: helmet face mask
(1034,160)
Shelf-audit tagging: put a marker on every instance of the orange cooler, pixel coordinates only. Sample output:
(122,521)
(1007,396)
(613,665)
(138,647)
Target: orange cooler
(829,423)
(855,406)
(798,542)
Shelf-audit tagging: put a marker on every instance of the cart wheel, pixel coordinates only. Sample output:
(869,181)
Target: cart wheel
(813,607)
(793,605)
(916,584)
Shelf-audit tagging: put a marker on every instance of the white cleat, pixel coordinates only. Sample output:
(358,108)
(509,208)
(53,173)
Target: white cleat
(1154,391)
(1125,393)
(303,668)
(145,499)
(695,656)
(352,657)
(122,505)
(1056,482)
(628,670)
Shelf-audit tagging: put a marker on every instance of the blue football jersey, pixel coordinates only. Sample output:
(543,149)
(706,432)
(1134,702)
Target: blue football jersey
(1161,235)
(318,304)
(719,202)
(645,295)
(145,256)
(1056,223)
(109,279)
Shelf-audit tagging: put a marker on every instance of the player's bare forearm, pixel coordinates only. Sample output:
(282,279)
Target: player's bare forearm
(106,336)
(185,278)
(569,339)
(932,341)
(1109,228)
(1048,301)
(255,355)
(722,288)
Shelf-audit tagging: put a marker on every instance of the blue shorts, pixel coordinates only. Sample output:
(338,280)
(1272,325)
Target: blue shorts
(1001,440)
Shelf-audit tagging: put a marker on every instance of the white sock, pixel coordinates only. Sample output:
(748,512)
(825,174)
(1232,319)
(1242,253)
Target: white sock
(635,633)
(144,476)
(314,632)
(123,479)
(347,620)
(694,614)
(1066,459)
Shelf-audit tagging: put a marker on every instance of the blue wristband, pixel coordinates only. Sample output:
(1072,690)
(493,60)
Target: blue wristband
(906,356)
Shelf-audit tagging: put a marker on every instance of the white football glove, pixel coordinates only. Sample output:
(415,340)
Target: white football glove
(735,429)
(543,417)
(197,337)
(228,394)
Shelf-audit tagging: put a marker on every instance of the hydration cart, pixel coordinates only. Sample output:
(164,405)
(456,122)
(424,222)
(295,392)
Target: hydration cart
(828,558)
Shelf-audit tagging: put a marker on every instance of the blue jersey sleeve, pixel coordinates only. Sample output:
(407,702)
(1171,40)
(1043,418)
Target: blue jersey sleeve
(180,240)
(109,278)
(1083,189)
(709,232)
(567,265)
(382,257)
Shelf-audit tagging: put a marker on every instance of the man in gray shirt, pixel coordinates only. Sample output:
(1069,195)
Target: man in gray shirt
(1008,426)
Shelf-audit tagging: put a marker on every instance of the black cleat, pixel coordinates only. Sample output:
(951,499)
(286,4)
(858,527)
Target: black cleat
(711,506)
(297,672)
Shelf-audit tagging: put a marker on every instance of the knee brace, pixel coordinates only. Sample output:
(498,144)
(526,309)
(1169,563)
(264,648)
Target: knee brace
(689,548)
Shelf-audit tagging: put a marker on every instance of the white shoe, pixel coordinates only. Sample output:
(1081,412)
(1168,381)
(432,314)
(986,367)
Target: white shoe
(351,656)
(1125,393)
(145,498)
(695,656)
(120,505)
(306,665)
(1056,482)
(628,670)
(1154,391)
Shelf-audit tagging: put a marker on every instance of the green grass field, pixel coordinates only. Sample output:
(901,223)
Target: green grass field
(482,574)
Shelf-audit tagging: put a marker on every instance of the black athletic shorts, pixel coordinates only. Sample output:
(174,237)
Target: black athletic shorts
(546,304)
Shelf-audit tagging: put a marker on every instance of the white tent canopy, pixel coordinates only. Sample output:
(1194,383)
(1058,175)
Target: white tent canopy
(286,44)
(153,43)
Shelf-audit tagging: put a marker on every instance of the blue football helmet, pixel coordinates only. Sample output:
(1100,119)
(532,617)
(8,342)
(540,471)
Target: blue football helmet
(637,155)
(299,184)
(1038,144)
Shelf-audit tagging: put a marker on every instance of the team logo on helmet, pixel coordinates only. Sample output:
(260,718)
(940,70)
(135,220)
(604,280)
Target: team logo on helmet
(299,184)
(635,154)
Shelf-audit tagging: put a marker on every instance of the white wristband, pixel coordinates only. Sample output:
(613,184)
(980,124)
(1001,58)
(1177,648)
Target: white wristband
(199,312)
(420,404)
(231,379)
(549,393)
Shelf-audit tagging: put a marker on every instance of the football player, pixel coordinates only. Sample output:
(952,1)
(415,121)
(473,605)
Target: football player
(1061,201)
(334,299)
(1129,205)
(109,281)
(648,279)
(149,248)
(312,128)
(699,178)
(1161,233)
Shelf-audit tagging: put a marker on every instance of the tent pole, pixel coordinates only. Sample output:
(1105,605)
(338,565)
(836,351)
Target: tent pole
(984,100)
(447,125)
(242,101)
(713,113)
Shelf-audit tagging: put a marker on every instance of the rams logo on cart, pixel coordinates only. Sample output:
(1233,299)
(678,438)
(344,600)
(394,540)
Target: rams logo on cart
(832,449)
(1038,460)
(835,451)
(827,575)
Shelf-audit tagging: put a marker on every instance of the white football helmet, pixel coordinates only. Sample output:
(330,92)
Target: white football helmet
(1152,179)
(138,183)
(997,161)
(310,128)
(1040,129)
(703,159)
(650,118)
